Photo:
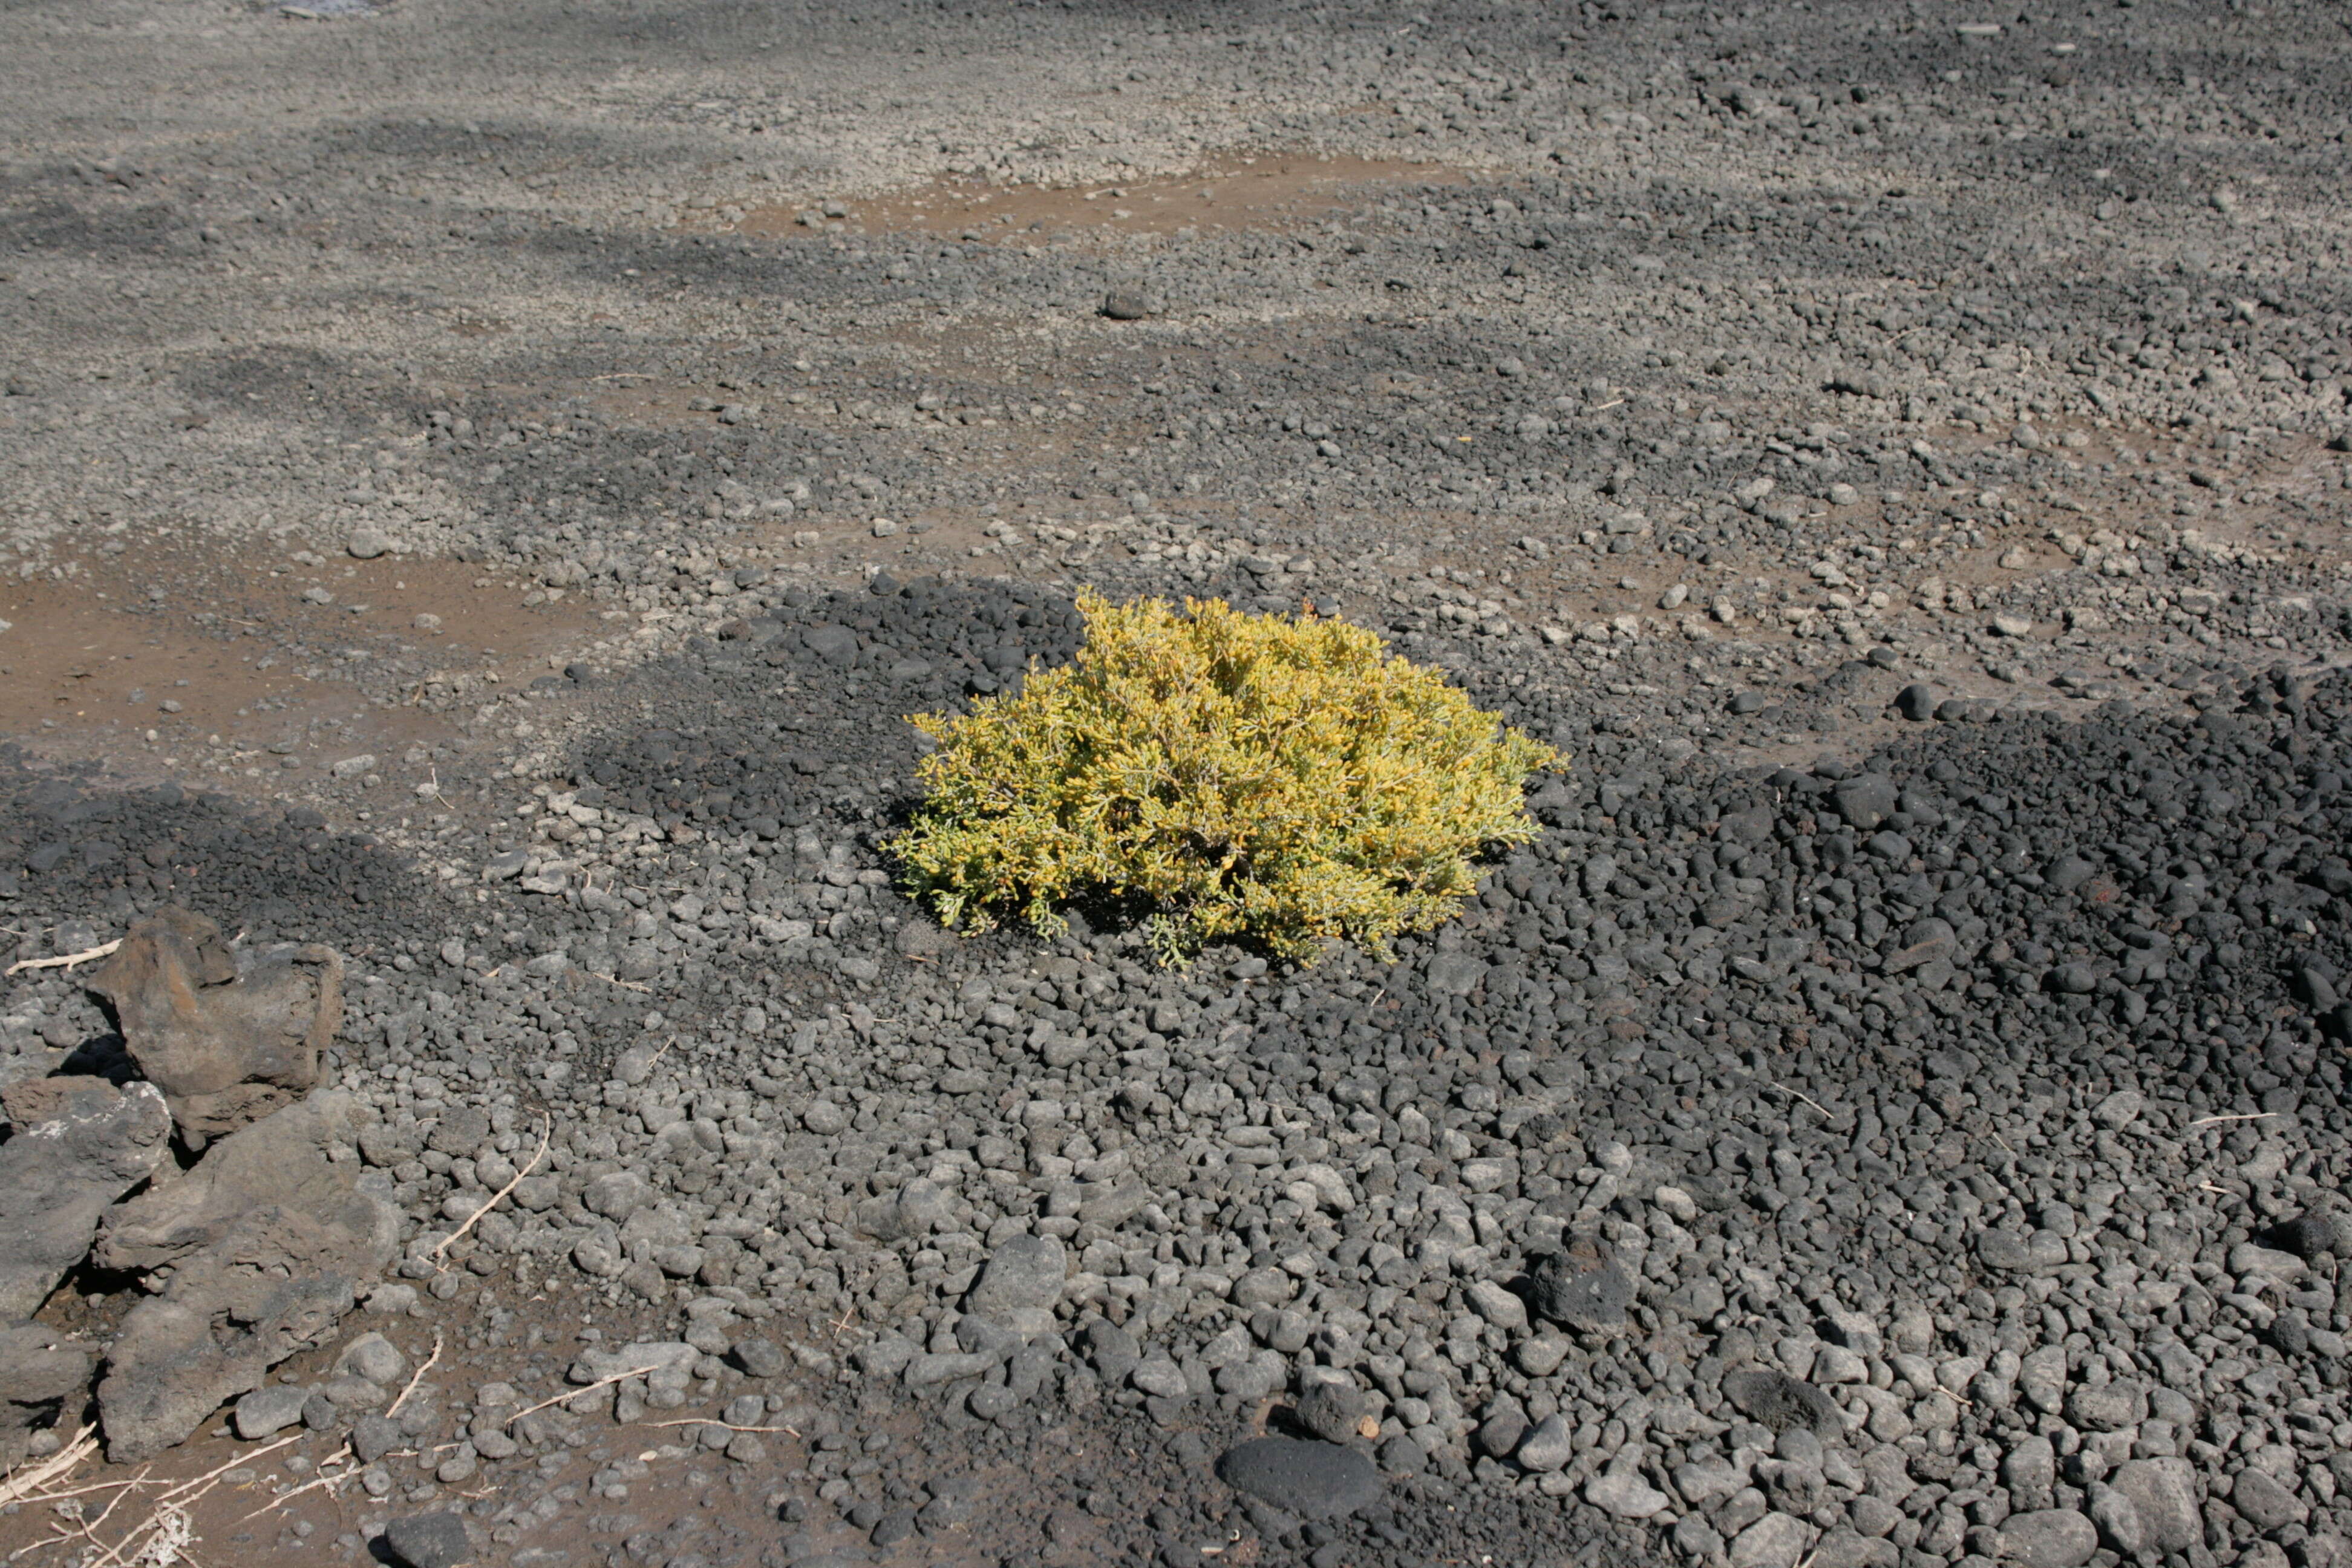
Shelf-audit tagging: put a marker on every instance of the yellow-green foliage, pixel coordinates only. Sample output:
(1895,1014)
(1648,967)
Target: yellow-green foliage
(1256,776)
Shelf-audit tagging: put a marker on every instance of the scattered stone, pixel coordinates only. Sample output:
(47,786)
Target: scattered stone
(1498,1436)
(1624,1493)
(1775,1540)
(2312,1236)
(1333,1410)
(761,1358)
(2266,1504)
(269,1409)
(2119,1110)
(1582,1287)
(428,1541)
(2049,1538)
(1497,1305)
(1023,1279)
(1547,1447)
(1865,801)
(2163,1492)
(1780,1402)
(374,1358)
(916,1207)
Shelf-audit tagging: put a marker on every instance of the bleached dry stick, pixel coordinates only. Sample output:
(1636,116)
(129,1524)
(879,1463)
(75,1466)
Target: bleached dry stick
(67,959)
(89,1526)
(575,1393)
(245,1458)
(139,1481)
(1809,1099)
(165,1517)
(282,1498)
(722,1425)
(170,1513)
(20,1482)
(415,1377)
(546,1128)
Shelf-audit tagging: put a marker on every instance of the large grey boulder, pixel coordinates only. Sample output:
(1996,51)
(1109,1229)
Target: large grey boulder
(267,1239)
(76,1145)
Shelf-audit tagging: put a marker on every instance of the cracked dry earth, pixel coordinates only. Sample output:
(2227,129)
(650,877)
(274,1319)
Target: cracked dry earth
(483,487)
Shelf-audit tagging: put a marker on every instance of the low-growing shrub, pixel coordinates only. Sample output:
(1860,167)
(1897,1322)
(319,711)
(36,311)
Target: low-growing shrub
(1270,778)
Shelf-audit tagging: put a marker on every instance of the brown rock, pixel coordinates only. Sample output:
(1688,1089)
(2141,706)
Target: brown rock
(31,1103)
(229,1037)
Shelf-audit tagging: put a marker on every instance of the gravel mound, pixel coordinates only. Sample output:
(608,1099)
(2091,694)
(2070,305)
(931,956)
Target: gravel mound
(1850,1159)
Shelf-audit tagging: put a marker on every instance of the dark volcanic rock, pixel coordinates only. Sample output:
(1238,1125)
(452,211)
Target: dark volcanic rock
(76,1144)
(42,1373)
(1313,1481)
(1332,1411)
(1581,1288)
(428,1541)
(267,1239)
(1776,1400)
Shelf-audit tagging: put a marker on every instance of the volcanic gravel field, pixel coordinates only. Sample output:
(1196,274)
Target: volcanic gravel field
(481,489)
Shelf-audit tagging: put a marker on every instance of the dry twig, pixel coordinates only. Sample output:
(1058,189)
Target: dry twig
(168,1533)
(21,1481)
(282,1498)
(572,1394)
(2244,1116)
(1807,1099)
(415,1377)
(722,1425)
(219,1470)
(166,1529)
(112,1503)
(137,1480)
(67,959)
(546,1128)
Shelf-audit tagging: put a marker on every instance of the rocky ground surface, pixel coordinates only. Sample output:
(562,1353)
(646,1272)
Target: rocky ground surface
(482,490)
